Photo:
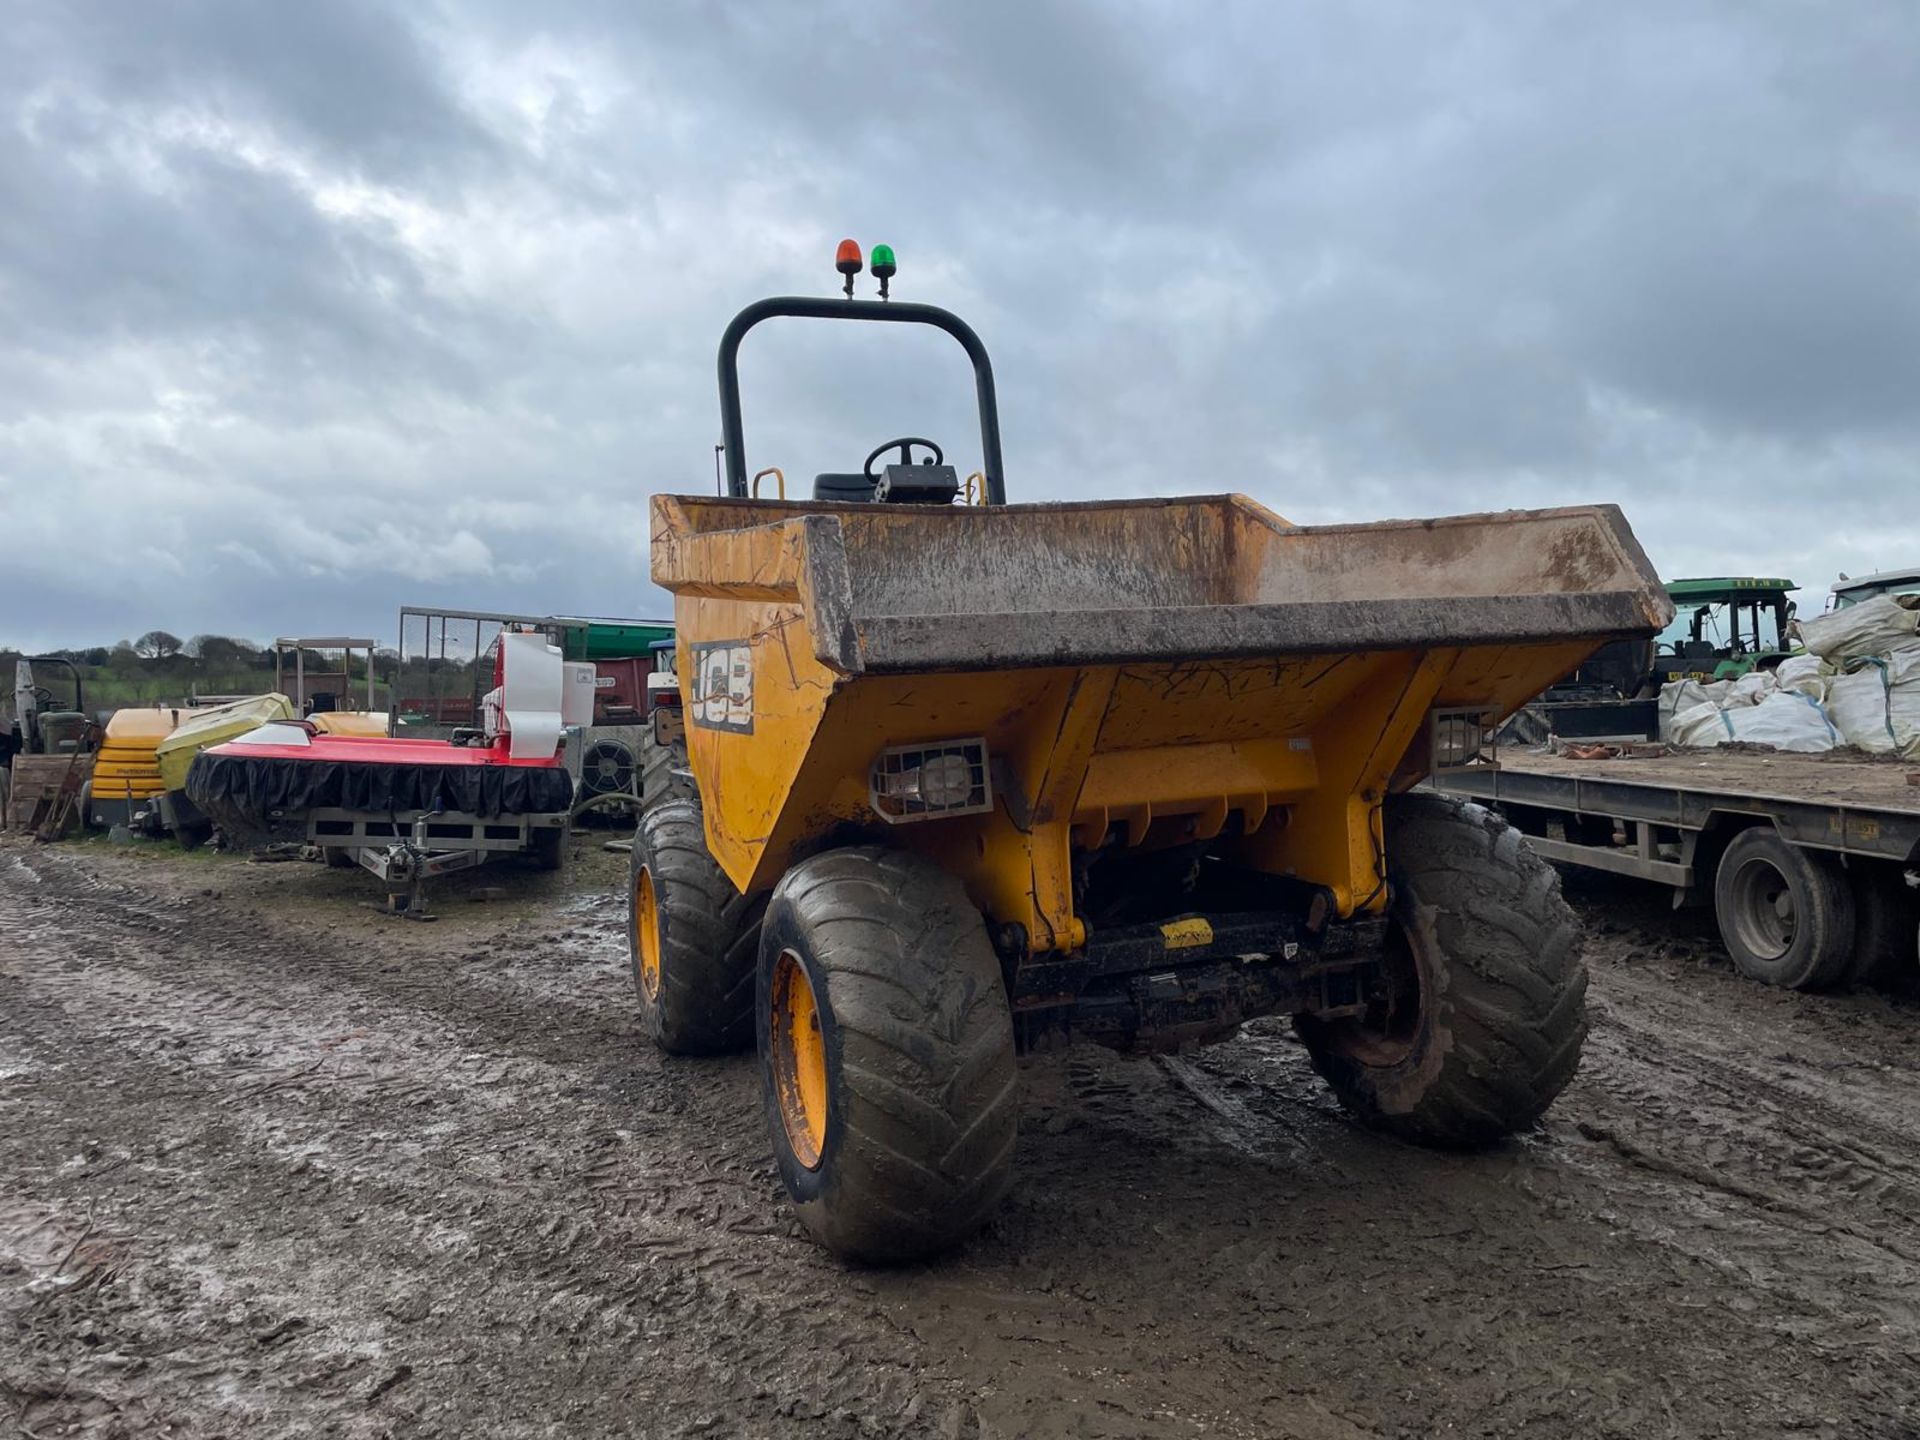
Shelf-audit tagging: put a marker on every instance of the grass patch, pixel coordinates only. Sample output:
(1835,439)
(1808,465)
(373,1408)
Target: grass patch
(101,842)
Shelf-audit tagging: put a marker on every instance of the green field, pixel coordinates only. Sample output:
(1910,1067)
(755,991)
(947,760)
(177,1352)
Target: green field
(118,677)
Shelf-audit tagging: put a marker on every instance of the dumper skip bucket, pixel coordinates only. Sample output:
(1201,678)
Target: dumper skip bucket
(1131,672)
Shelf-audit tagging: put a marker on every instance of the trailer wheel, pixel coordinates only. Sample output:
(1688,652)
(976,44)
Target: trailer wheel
(549,849)
(1479,1021)
(886,1054)
(692,938)
(1786,916)
(1887,911)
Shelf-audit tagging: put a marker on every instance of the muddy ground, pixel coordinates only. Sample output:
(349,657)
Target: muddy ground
(272,1165)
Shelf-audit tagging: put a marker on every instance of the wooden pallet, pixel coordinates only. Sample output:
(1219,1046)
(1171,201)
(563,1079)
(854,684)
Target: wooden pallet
(45,793)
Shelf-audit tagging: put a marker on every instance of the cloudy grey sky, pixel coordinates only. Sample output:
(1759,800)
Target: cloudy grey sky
(311,310)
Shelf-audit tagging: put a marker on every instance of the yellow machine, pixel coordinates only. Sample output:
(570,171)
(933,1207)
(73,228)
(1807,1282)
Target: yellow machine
(368,724)
(214,725)
(201,729)
(975,778)
(126,771)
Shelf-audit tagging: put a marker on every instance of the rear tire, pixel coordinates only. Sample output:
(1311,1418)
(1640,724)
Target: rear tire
(1786,915)
(1886,952)
(886,1054)
(664,774)
(549,847)
(1480,1023)
(692,939)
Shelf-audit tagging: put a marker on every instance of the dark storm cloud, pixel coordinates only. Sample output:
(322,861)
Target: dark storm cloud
(306,311)
(355,78)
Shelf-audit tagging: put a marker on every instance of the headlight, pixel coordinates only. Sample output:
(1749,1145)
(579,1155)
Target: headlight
(1453,741)
(1462,735)
(921,782)
(941,783)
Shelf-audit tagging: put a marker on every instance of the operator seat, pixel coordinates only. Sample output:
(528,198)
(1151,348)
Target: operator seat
(843,489)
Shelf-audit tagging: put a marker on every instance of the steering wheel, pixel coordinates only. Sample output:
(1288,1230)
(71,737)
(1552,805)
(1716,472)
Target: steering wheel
(906,444)
(42,698)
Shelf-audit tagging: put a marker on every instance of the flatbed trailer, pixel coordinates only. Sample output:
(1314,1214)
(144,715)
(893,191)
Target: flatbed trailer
(1811,862)
(406,848)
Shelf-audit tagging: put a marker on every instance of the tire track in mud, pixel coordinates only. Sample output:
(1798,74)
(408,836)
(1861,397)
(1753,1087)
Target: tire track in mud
(343,1179)
(595,1239)
(1792,1290)
(1726,1109)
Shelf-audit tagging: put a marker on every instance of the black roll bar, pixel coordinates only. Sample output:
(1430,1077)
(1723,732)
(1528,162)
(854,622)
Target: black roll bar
(733,430)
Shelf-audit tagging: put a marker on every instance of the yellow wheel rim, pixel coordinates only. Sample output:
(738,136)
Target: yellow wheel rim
(646,934)
(799,1061)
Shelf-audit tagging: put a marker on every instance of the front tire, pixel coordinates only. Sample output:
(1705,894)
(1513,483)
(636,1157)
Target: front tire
(886,1054)
(1479,1022)
(1785,915)
(691,937)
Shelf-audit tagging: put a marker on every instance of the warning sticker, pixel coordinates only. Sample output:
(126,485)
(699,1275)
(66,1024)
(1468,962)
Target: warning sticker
(1185,934)
(723,686)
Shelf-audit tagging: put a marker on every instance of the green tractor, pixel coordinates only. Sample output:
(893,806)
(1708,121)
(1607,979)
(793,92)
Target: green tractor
(1723,628)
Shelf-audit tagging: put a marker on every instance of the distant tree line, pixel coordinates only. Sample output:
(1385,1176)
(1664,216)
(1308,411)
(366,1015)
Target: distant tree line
(159,650)
(160,667)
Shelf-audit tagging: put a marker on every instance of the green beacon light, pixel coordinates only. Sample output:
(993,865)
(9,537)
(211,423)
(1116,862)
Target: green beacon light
(882,264)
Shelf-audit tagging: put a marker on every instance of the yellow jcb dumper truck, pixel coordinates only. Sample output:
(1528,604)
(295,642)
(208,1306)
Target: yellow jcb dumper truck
(976,778)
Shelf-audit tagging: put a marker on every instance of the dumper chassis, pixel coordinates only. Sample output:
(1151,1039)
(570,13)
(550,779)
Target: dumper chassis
(971,780)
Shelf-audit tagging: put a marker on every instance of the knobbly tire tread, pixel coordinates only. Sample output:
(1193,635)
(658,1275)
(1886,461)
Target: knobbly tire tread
(923,1090)
(1503,1013)
(1825,897)
(710,938)
(663,772)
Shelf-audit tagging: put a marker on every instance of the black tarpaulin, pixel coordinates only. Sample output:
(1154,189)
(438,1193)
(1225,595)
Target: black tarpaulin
(260,793)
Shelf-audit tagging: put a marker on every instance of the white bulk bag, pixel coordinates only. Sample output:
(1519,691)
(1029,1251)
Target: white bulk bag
(1872,627)
(1903,700)
(1806,673)
(1751,688)
(1786,720)
(1877,705)
(1676,698)
(1695,727)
